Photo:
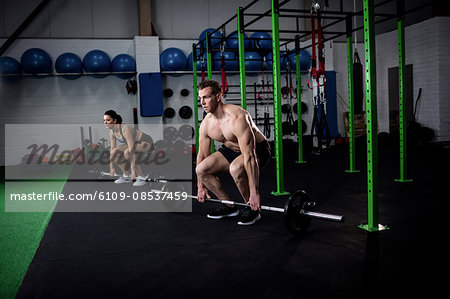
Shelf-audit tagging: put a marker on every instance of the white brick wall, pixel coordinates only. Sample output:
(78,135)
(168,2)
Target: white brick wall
(427,50)
(444,77)
(340,66)
(427,45)
(147,53)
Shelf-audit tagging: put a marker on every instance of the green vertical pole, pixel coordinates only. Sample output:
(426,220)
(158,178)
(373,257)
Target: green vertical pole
(208,55)
(209,67)
(277,98)
(194,70)
(299,101)
(351,99)
(371,122)
(240,26)
(401,89)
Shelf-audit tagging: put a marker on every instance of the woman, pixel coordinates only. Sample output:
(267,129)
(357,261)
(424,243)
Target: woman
(134,142)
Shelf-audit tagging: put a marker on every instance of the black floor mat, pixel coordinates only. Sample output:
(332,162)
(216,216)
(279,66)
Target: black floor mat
(186,255)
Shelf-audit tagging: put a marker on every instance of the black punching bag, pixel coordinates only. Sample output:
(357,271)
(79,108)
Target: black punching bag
(358,84)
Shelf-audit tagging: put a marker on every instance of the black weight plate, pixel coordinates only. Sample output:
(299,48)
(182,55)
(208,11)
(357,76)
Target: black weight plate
(285,108)
(286,128)
(297,223)
(168,92)
(304,108)
(170,134)
(304,127)
(179,146)
(186,132)
(185,112)
(184,92)
(173,192)
(157,185)
(169,112)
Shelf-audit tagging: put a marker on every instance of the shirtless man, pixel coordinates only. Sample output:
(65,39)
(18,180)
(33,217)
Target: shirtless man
(244,152)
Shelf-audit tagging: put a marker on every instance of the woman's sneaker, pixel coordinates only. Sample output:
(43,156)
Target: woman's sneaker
(123,179)
(248,216)
(223,211)
(140,181)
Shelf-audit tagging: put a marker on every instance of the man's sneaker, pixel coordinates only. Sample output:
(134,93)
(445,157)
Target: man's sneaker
(223,211)
(123,179)
(248,216)
(140,181)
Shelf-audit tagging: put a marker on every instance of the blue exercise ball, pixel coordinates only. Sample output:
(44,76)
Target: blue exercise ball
(123,63)
(69,63)
(262,41)
(189,63)
(216,38)
(216,61)
(305,60)
(199,62)
(233,42)
(173,59)
(283,61)
(10,67)
(231,61)
(36,61)
(253,62)
(97,61)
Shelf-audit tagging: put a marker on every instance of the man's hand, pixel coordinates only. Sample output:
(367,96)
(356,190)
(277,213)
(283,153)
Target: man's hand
(202,193)
(255,202)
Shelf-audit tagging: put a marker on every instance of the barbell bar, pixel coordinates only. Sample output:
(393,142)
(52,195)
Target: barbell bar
(297,209)
(229,202)
(315,215)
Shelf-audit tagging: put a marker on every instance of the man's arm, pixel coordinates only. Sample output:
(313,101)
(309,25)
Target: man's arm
(242,129)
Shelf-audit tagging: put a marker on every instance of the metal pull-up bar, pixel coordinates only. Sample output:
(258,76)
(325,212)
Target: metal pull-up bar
(22,26)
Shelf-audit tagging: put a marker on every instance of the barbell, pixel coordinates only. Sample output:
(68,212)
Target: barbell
(298,209)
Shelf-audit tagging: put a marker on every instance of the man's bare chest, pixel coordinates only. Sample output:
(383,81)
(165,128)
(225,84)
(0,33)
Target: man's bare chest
(222,131)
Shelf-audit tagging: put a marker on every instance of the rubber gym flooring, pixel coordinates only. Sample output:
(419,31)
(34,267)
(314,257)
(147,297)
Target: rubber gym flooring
(186,255)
